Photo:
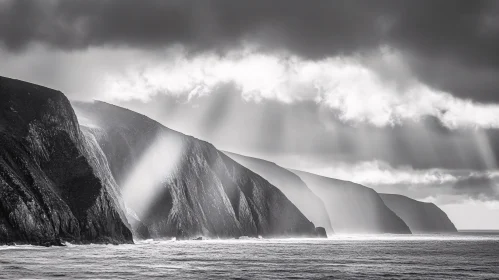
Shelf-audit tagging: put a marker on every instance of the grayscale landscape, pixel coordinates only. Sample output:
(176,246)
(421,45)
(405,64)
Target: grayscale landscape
(219,139)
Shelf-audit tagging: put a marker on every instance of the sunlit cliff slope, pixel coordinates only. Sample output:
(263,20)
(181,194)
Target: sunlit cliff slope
(353,208)
(292,186)
(421,217)
(178,186)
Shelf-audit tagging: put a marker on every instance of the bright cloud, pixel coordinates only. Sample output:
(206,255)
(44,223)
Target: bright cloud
(355,89)
(440,186)
(349,88)
(377,172)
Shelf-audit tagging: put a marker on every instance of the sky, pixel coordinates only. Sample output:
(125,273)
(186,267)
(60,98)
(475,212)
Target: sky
(401,96)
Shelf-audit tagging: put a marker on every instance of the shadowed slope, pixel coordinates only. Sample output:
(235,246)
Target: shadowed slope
(51,187)
(421,217)
(292,186)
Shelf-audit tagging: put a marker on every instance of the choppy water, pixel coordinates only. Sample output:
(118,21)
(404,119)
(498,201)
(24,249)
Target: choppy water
(466,256)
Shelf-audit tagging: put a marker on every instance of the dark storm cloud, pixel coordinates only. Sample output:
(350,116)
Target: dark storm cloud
(312,29)
(478,188)
(451,45)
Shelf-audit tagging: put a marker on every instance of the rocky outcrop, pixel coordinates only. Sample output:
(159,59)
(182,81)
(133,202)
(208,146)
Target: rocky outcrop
(353,208)
(321,232)
(291,185)
(178,186)
(421,217)
(53,185)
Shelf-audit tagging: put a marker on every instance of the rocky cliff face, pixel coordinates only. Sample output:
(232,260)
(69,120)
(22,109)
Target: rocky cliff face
(52,185)
(292,186)
(178,186)
(421,217)
(353,208)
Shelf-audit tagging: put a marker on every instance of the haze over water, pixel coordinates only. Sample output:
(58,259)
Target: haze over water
(467,255)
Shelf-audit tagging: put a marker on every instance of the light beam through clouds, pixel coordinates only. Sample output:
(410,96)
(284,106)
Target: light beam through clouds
(389,97)
(333,85)
(377,173)
(347,86)
(155,167)
(380,80)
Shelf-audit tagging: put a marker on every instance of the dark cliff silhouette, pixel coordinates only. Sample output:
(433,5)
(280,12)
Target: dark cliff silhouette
(52,185)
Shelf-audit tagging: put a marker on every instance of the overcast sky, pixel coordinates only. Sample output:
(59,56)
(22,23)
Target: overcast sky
(401,96)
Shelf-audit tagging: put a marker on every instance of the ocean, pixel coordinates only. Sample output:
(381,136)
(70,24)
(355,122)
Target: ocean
(467,255)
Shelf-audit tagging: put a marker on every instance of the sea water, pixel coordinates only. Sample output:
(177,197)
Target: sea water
(464,255)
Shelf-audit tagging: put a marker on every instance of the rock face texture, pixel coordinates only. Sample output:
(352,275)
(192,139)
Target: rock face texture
(53,184)
(292,186)
(321,232)
(178,186)
(421,217)
(353,208)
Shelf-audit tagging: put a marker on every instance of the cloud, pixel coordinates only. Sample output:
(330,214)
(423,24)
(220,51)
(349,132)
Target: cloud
(285,51)
(348,87)
(212,97)
(442,186)
(310,29)
(302,132)
(448,45)
(294,122)
(78,74)
(377,172)
(478,187)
